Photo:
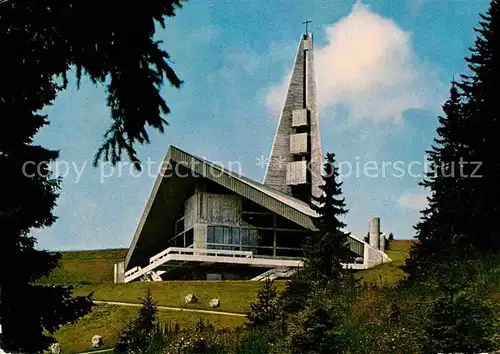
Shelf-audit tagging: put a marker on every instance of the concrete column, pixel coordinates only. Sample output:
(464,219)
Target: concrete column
(374,238)
(119,273)
(200,235)
(382,242)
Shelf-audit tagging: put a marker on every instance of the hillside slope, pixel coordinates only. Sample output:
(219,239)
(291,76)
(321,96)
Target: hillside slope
(92,271)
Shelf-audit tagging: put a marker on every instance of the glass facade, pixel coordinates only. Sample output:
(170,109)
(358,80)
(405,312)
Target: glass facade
(231,238)
(259,230)
(262,241)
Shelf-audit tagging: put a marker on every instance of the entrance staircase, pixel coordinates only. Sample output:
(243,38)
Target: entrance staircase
(275,273)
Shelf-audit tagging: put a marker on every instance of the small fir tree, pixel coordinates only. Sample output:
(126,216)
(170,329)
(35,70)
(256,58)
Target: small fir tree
(144,332)
(124,339)
(314,338)
(293,298)
(318,328)
(326,249)
(462,320)
(265,309)
(147,319)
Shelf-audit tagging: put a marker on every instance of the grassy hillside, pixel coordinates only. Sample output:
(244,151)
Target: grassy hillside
(107,321)
(89,271)
(86,267)
(234,296)
(389,274)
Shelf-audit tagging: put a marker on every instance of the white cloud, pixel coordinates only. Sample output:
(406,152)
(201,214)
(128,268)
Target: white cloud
(369,69)
(415,201)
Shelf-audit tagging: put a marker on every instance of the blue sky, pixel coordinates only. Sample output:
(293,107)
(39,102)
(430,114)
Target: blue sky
(383,70)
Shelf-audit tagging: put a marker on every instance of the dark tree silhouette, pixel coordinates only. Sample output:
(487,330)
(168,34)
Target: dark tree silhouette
(112,43)
(444,222)
(144,334)
(460,221)
(326,249)
(463,319)
(265,309)
(482,109)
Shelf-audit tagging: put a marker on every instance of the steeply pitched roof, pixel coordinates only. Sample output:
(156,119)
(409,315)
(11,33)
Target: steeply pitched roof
(166,200)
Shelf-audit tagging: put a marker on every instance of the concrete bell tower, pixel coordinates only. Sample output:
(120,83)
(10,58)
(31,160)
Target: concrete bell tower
(295,163)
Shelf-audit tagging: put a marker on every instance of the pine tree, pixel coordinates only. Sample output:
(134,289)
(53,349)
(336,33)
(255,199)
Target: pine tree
(315,337)
(124,339)
(144,332)
(326,249)
(45,39)
(445,220)
(147,319)
(318,328)
(265,309)
(482,108)
(462,320)
(463,209)
(293,298)
(28,197)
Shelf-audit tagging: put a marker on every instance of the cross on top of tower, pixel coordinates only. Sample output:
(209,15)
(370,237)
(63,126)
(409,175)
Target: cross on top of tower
(307,22)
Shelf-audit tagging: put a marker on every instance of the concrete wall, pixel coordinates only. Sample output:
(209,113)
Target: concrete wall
(373,257)
(221,209)
(206,208)
(191,211)
(382,242)
(200,235)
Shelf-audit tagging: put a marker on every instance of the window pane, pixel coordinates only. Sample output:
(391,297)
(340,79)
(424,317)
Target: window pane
(218,235)
(236,236)
(252,237)
(210,234)
(227,235)
(244,236)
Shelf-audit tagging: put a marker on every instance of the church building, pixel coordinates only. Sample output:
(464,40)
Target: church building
(205,222)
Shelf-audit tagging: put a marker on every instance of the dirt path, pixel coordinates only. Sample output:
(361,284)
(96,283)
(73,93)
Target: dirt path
(97,351)
(172,308)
